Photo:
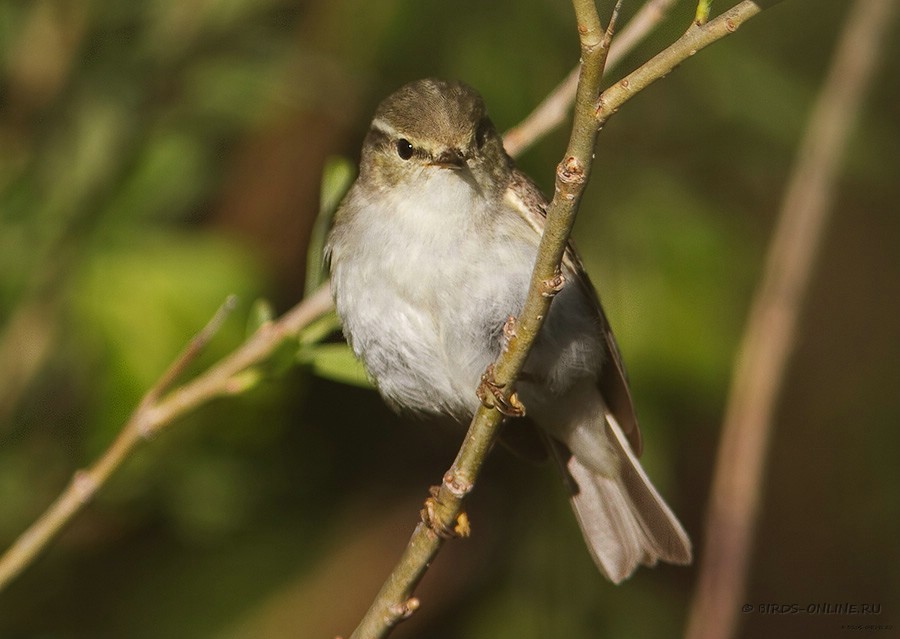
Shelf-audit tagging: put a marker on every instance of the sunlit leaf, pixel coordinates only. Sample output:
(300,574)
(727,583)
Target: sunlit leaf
(336,178)
(336,362)
(261,313)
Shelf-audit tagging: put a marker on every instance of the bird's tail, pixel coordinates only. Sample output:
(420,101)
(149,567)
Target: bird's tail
(624,520)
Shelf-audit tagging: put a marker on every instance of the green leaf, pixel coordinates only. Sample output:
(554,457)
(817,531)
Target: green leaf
(320,329)
(336,362)
(337,175)
(261,313)
(245,381)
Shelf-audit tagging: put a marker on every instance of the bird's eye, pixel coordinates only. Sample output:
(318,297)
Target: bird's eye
(481,133)
(404,149)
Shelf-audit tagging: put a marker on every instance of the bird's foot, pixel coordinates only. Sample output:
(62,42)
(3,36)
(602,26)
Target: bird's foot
(491,395)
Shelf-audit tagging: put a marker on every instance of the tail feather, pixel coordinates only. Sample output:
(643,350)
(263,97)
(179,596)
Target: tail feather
(624,520)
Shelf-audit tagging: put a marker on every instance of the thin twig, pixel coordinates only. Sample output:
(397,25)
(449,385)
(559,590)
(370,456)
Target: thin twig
(769,337)
(193,350)
(154,413)
(554,109)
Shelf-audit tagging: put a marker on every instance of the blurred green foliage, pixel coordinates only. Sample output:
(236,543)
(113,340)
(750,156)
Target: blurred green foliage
(156,157)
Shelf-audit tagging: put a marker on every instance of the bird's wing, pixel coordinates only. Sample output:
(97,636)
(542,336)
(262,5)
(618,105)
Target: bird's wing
(528,201)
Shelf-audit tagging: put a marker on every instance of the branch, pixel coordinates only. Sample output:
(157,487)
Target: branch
(552,111)
(154,413)
(769,336)
(443,511)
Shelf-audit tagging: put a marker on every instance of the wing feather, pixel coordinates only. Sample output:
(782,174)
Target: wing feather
(528,201)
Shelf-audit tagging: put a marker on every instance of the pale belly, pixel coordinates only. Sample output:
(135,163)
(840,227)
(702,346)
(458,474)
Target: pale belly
(427,334)
(424,302)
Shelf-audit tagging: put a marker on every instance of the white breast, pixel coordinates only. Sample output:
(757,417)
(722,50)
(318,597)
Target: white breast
(423,293)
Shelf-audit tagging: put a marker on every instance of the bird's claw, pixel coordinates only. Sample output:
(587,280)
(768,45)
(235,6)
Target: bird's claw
(491,395)
(550,287)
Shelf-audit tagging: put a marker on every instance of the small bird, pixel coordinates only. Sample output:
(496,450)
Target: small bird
(431,252)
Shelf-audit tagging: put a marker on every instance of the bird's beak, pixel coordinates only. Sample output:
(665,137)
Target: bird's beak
(450,159)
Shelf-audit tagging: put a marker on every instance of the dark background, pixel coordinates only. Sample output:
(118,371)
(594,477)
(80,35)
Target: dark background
(157,156)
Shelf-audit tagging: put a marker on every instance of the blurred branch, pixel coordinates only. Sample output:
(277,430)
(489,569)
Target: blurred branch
(155,413)
(552,111)
(772,325)
(443,515)
(25,341)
